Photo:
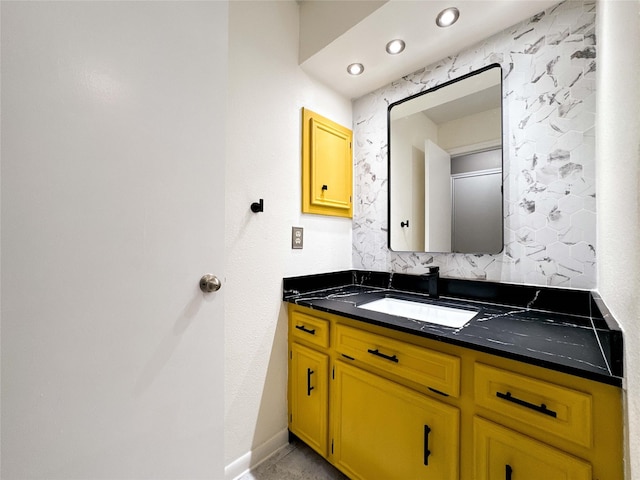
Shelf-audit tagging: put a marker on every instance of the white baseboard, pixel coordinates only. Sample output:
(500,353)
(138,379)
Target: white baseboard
(256,456)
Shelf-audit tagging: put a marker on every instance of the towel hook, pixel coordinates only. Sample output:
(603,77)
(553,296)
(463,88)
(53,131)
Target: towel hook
(257,206)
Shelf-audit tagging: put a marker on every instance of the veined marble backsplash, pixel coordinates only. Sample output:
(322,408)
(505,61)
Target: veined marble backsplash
(548,64)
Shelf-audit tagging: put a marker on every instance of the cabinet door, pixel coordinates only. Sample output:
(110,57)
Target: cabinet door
(327,166)
(308,390)
(500,453)
(382,430)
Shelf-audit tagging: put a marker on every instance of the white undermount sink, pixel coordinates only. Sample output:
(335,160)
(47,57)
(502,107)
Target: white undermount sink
(424,312)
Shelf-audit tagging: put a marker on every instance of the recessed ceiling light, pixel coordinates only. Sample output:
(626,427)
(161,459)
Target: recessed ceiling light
(447,17)
(355,68)
(394,47)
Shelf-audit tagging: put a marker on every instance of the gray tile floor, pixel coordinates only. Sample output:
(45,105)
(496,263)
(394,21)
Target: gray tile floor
(296,461)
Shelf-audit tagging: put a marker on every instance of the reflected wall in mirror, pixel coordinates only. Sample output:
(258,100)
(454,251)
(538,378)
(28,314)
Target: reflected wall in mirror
(445,167)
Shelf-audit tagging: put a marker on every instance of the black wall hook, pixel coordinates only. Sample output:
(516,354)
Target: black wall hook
(404,224)
(257,206)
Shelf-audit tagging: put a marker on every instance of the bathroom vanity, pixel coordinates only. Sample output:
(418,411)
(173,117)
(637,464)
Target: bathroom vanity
(527,386)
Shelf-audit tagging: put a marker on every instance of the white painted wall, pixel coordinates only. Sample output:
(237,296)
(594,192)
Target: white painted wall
(267,90)
(618,187)
(480,128)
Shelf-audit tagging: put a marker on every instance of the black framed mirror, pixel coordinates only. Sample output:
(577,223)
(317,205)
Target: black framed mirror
(446,167)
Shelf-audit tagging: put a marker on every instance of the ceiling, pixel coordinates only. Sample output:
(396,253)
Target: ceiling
(414,22)
(472,104)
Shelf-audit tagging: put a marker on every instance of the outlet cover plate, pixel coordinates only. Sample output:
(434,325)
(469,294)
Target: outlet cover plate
(296,237)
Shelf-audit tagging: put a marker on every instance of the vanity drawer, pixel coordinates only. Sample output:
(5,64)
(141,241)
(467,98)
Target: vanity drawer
(535,404)
(310,329)
(434,370)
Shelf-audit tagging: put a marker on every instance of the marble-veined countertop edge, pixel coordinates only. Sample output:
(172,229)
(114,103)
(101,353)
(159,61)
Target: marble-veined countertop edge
(581,345)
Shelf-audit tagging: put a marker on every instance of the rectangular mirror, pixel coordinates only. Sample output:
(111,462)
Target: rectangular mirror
(445,167)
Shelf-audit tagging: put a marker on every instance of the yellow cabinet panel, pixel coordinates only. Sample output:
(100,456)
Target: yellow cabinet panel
(382,430)
(308,396)
(309,329)
(500,453)
(327,166)
(435,370)
(544,406)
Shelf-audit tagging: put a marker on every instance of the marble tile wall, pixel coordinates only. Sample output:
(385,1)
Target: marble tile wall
(549,64)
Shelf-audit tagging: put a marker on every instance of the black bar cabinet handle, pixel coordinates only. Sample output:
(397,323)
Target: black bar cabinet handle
(393,358)
(507,472)
(309,387)
(306,330)
(427,452)
(542,408)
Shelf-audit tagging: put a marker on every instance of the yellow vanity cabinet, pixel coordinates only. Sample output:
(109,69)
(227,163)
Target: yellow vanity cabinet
(327,166)
(383,430)
(401,406)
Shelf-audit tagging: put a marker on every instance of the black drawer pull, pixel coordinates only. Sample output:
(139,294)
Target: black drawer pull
(309,387)
(393,358)
(427,452)
(507,472)
(306,330)
(438,392)
(542,408)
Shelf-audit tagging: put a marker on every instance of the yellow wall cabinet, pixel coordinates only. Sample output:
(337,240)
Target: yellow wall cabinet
(392,405)
(327,166)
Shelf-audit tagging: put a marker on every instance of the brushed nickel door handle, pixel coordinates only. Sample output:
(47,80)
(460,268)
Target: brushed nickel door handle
(210,283)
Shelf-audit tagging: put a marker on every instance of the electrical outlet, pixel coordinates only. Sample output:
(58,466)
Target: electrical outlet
(296,237)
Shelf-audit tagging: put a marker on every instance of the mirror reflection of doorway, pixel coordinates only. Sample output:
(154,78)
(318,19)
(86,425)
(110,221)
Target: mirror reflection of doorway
(476,186)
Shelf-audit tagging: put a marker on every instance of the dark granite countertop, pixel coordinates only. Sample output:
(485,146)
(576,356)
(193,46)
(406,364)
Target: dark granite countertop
(564,330)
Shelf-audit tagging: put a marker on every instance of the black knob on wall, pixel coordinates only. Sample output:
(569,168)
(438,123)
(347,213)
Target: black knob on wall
(257,206)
